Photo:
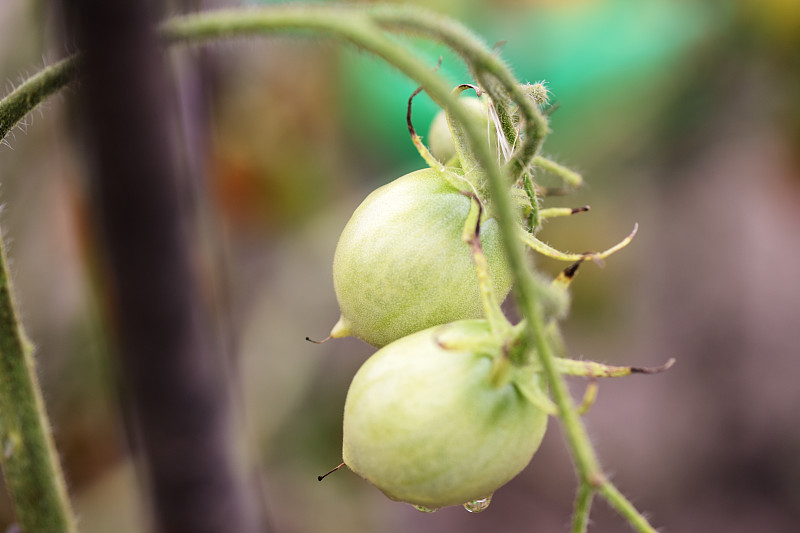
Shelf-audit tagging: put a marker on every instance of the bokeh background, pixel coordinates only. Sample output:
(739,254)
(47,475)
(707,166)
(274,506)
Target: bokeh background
(683,116)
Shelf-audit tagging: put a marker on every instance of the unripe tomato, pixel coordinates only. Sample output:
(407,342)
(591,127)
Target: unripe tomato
(401,265)
(440,142)
(426,425)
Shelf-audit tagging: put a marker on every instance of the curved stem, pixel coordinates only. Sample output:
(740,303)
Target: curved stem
(625,508)
(479,57)
(430,160)
(488,70)
(568,176)
(583,505)
(33,91)
(549,251)
(498,323)
(472,169)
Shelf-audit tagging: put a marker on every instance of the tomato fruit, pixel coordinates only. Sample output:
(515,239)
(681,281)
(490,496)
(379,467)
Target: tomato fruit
(427,425)
(440,141)
(401,265)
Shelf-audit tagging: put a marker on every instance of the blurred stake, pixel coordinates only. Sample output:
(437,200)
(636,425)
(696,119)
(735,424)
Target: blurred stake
(174,379)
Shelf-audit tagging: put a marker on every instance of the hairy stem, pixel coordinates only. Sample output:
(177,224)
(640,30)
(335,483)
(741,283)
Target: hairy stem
(480,58)
(33,91)
(583,505)
(625,508)
(498,323)
(27,454)
(569,176)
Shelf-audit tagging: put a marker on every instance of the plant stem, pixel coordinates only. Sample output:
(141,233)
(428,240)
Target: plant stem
(569,176)
(33,91)
(472,169)
(625,508)
(27,454)
(478,57)
(583,504)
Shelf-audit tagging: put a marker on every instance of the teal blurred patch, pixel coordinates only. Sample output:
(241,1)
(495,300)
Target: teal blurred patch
(594,54)
(377,95)
(597,58)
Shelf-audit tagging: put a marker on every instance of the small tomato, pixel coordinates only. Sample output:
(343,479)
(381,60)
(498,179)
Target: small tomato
(427,425)
(401,265)
(440,141)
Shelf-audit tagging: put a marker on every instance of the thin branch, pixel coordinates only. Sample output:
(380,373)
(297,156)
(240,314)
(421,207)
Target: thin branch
(569,176)
(479,57)
(625,508)
(583,506)
(34,91)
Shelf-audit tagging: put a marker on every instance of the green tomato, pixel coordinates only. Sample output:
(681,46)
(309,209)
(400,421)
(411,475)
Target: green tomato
(401,265)
(427,425)
(440,141)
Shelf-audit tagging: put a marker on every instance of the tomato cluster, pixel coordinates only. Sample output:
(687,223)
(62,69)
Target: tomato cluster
(446,411)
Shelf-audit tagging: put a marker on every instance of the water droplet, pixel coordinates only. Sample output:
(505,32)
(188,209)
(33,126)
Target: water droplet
(423,509)
(476,506)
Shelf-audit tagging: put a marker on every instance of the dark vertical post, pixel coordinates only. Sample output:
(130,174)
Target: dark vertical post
(171,369)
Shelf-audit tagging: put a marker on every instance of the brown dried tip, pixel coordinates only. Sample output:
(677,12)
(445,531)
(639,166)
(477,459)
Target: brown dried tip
(329,472)
(653,369)
(326,339)
(570,271)
(410,125)
(415,93)
(581,209)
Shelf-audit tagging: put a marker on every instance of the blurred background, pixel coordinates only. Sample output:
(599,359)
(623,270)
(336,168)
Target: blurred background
(683,116)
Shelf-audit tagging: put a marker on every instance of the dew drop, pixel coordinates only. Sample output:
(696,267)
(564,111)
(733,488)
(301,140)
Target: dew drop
(476,506)
(423,509)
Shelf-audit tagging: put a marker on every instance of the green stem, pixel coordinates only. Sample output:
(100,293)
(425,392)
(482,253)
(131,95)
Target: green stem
(583,505)
(33,91)
(472,169)
(535,216)
(27,454)
(570,177)
(625,508)
(480,58)
(498,323)
(487,69)
(507,126)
